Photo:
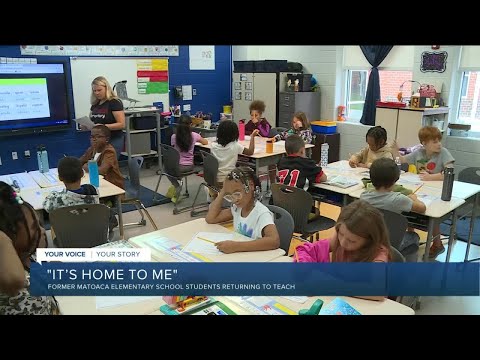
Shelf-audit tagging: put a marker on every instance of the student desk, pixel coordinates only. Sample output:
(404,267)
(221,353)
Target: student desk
(35,197)
(183,233)
(260,156)
(22,180)
(50,178)
(342,168)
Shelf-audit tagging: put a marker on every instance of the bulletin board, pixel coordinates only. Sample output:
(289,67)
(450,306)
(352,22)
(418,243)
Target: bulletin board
(114,69)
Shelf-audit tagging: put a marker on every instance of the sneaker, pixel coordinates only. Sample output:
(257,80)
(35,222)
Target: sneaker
(435,251)
(170,192)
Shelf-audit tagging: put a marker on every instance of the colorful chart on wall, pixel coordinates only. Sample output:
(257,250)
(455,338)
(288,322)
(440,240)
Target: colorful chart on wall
(100,50)
(152,76)
(434,61)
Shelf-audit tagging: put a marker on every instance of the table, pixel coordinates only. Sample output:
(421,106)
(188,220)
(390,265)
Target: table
(183,233)
(50,178)
(260,156)
(35,197)
(21,180)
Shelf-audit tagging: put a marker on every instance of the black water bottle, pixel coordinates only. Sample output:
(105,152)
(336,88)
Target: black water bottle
(448,178)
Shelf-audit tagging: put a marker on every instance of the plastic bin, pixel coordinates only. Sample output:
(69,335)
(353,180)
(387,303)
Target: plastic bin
(324,127)
(145,123)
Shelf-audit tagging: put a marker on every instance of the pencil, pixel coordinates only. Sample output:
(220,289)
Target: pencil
(210,241)
(418,188)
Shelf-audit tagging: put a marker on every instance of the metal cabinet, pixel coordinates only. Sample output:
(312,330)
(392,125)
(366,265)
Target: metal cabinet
(291,102)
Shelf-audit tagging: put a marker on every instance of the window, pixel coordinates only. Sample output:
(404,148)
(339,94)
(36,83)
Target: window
(469,104)
(390,81)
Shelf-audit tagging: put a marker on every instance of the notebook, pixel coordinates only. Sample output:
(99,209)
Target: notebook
(341,181)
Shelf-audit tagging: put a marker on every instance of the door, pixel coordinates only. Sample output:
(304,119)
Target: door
(243,91)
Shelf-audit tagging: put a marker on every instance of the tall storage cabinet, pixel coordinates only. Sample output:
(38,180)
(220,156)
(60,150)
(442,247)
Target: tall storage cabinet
(291,102)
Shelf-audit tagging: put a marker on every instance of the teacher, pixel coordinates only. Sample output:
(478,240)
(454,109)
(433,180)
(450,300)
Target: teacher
(107,109)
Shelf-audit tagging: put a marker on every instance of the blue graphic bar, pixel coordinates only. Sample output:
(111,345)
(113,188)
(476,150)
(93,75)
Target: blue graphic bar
(242,279)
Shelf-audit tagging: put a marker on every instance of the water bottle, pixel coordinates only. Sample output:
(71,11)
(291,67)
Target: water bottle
(241,130)
(93,173)
(324,155)
(42,158)
(448,178)
(399,163)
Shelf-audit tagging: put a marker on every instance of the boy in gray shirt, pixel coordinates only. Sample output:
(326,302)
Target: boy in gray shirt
(384,173)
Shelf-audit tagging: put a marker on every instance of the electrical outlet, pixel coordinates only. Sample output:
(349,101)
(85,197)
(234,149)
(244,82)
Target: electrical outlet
(14,155)
(194,91)
(187,107)
(27,154)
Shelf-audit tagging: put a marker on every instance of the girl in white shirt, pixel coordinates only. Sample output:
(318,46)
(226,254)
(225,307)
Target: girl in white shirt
(250,217)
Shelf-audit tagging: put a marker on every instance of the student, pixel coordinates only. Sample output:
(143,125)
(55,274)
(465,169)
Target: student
(250,217)
(300,126)
(226,149)
(384,173)
(12,274)
(430,160)
(106,108)
(105,156)
(19,222)
(377,148)
(184,141)
(257,108)
(360,236)
(296,169)
(70,172)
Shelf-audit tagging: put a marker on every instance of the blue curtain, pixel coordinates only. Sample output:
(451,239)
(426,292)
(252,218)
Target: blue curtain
(374,54)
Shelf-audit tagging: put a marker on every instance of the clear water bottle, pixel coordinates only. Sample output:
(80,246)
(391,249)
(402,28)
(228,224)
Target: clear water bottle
(93,173)
(324,155)
(42,158)
(447,188)
(399,163)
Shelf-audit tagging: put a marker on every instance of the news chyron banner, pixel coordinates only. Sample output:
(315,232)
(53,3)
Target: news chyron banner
(129,272)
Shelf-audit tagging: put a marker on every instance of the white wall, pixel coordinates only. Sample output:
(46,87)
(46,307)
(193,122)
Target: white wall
(320,61)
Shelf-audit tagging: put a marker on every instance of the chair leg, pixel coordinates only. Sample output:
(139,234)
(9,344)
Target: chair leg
(186,187)
(176,210)
(142,221)
(148,215)
(156,188)
(194,212)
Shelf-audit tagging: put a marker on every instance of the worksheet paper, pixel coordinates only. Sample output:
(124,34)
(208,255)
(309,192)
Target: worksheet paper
(204,243)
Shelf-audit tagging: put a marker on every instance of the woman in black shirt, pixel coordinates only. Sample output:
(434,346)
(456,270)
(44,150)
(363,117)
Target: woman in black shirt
(107,109)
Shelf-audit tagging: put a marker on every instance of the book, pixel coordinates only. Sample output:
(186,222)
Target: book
(85,121)
(341,181)
(338,306)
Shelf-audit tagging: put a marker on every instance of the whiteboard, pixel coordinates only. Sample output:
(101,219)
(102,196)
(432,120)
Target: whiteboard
(85,69)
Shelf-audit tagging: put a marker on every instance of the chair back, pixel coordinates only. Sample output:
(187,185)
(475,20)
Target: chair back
(396,225)
(276,130)
(121,89)
(470,175)
(396,255)
(171,161)
(133,188)
(296,201)
(285,226)
(210,168)
(80,226)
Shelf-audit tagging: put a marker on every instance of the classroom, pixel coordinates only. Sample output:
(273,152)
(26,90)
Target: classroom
(243,154)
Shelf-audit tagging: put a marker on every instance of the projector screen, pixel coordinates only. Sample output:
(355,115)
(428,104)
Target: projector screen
(33,98)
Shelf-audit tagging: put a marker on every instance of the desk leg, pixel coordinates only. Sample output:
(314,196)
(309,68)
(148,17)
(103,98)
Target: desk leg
(431,223)
(452,235)
(257,167)
(472,223)
(345,199)
(120,217)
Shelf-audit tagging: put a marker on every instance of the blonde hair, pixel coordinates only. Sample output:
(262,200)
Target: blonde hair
(102,81)
(303,118)
(366,221)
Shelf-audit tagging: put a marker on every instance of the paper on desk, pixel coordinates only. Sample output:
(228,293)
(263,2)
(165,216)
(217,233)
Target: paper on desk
(85,121)
(172,248)
(427,199)
(298,299)
(113,301)
(204,243)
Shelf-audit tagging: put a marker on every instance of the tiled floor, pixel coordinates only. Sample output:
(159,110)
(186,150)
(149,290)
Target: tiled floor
(163,217)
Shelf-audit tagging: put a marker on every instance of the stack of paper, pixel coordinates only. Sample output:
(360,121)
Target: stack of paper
(341,181)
